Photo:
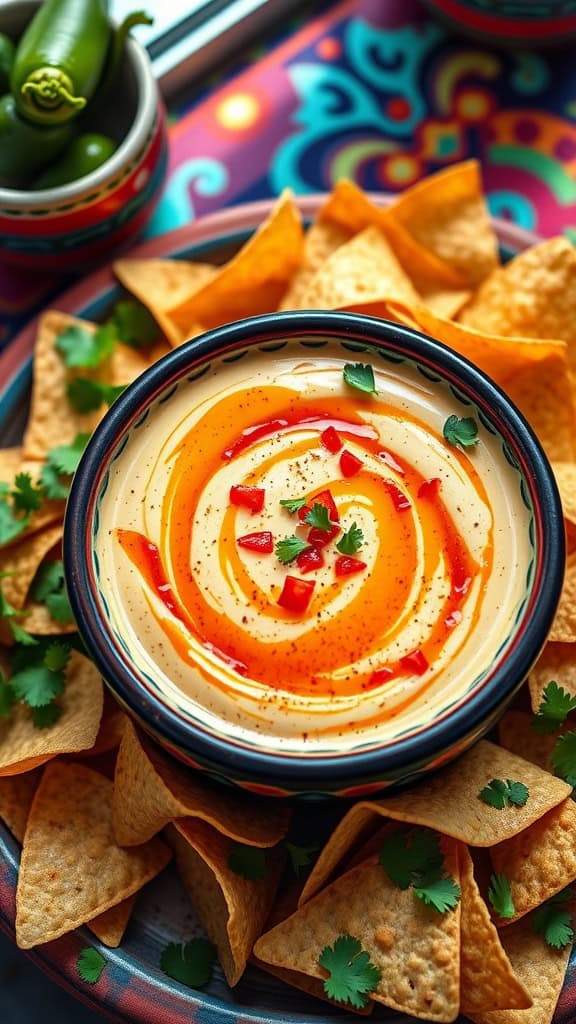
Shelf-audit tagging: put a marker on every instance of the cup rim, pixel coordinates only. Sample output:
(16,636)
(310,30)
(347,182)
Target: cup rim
(473,711)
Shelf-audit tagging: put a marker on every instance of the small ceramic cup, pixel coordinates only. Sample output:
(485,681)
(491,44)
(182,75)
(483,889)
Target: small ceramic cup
(76,226)
(136,585)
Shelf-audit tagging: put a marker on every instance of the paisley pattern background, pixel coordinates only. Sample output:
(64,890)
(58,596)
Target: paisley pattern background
(376,90)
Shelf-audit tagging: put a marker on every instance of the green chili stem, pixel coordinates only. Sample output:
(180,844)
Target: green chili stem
(49,88)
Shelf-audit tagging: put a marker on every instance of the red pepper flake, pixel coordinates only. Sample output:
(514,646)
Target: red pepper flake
(323,498)
(400,500)
(320,538)
(330,439)
(347,566)
(310,560)
(429,489)
(251,498)
(381,676)
(296,594)
(262,542)
(349,464)
(415,662)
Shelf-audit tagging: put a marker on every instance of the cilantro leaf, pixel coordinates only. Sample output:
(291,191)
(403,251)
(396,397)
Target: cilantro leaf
(7,697)
(408,854)
(190,963)
(293,505)
(37,685)
(11,614)
(11,525)
(554,922)
(289,548)
(45,716)
(360,376)
(301,856)
(134,324)
(500,896)
(54,485)
(247,861)
(501,794)
(21,636)
(351,541)
(65,457)
(351,974)
(555,706)
(441,893)
(48,588)
(319,516)
(87,395)
(80,347)
(90,965)
(463,432)
(563,757)
(57,656)
(26,496)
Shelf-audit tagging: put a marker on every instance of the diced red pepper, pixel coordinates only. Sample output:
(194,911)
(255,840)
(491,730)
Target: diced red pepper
(323,498)
(400,500)
(320,538)
(331,440)
(310,560)
(349,464)
(251,498)
(262,542)
(347,566)
(381,676)
(296,594)
(429,489)
(415,662)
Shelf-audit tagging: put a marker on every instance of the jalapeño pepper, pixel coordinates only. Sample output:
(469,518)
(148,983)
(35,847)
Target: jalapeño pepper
(83,155)
(60,58)
(26,148)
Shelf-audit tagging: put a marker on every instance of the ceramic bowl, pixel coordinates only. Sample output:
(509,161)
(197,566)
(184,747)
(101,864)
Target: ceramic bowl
(76,226)
(405,750)
(510,22)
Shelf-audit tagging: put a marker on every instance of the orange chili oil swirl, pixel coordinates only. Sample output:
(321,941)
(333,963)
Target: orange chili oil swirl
(377,610)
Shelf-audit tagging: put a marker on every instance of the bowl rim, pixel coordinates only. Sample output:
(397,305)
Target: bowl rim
(29,200)
(226,755)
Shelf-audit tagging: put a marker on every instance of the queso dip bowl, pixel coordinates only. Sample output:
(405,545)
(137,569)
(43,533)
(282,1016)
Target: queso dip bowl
(419,569)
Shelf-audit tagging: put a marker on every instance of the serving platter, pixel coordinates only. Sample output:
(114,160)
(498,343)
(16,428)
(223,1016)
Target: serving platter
(133,989)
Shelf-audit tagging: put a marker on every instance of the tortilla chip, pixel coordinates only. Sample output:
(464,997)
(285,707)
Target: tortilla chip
(11,464)
(233,909)
(311,986)
(52,420)
(162,284)
(416,948)
(254,280)
(539,967)
(23,747)
(564,625)
(447,214)
(444,302)
(321,240)
(363,270)
(127,363)
(111,731)
(167,790)
(540,861)
(516,734)
(39,622)
(110,926)
(565,473)
(16,795)
(20,563)
(543,392)
(71,870)
(557,662)
(533,296)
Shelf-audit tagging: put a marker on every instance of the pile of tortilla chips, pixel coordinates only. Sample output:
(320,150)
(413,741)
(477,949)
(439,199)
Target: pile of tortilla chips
(100,811)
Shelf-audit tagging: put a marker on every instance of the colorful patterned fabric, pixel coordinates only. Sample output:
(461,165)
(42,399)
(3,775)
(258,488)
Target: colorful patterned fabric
(378,91)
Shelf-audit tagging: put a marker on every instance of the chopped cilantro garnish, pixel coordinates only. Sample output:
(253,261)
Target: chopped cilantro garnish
(462,432)
(412,856)
(37,685)
(360,376)
(48,588)
(90,965)
(80,347)
(45,716)
(11,614)
(190,963)
(554,920)
(555,706)
(247,861)
(134,324)
(441,893)
(293,505)
(319,516)
(26,496)
(501,794)
(301,856)
(39,676)
(7,697)
(11,525)
(500,896)
(351,973)
(563,757)
(289,548)
(65,457)
(351,541)
(87,395)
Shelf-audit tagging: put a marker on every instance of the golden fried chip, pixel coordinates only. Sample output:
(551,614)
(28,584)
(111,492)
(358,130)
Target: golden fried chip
(71,869)
(53,421)
(515,733)
(416,948)
(321,240)
(487,979)
(20,563)
(110,926)
(539,967)
(556,663)
(23,747)
(304,983)
(16,795)
(564,625)
(565,473)
(39,622)
(540,861)
(543,392)
(533,296)
(233,909)
(447,215)
(162,284)
(254,280)
(167,790)
(111,730)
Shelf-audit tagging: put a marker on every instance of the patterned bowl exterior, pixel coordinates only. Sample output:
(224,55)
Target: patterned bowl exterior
(364,769)
(81,224)
(520,22)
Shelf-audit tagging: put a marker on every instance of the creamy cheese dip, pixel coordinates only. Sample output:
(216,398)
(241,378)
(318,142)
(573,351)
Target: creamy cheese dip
(378,652)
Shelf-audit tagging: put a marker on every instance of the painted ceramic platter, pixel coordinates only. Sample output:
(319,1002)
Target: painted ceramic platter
(133,989)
